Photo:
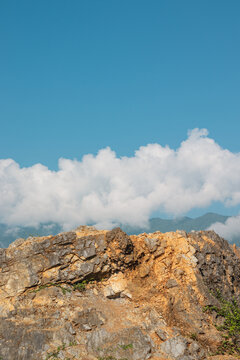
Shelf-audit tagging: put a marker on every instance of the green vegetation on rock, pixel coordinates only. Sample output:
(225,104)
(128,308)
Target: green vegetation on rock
(230,312)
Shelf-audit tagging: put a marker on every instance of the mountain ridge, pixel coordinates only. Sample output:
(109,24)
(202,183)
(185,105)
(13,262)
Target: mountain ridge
(9,234)
(183,223)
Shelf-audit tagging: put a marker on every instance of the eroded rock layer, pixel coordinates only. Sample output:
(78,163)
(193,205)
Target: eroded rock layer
(104,295)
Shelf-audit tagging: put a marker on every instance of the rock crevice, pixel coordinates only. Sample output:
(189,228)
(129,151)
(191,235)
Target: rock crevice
(92,295)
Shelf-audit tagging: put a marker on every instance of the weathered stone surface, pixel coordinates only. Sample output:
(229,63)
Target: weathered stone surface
(171,283)
(175,347)
(88,319)
(129,343)
(217,263)
(152,244)
(161,334)
(91,295)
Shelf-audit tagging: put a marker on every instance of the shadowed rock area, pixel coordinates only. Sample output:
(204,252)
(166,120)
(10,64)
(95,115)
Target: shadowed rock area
(104,295)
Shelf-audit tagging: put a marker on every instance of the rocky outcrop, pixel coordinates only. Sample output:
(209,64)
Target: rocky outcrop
(104,295)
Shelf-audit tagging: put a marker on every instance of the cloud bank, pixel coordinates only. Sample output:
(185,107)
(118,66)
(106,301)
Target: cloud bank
(230,230)
(106,190)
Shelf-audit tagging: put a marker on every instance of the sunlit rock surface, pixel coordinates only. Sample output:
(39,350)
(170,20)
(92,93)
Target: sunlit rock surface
(104,295)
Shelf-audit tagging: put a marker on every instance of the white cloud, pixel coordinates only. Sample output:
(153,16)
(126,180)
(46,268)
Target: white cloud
(230,230)
(105,189)
(12,231)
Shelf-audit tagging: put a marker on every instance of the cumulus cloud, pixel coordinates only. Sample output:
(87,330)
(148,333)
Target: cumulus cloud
(106,190)
(230,230)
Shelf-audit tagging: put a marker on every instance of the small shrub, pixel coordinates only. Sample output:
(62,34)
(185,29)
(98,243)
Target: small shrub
(230,311)
(54,354)
(80,286)
(41,287)
(128,346)
(193,336)
(72,343)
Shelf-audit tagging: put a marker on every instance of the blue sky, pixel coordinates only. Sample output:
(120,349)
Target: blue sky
(79,76)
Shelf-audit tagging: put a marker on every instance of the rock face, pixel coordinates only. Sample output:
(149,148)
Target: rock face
(104,295)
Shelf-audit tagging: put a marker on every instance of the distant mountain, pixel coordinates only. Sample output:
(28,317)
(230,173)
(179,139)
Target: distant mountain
(183,223)
(9,234)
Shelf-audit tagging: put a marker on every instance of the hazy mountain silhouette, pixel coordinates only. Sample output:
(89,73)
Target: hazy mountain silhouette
(183,223)
(8,234)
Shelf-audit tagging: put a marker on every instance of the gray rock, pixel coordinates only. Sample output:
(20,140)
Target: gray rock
(160,251)
(161,334)
(194,348)
(86,247)
(171,283)
(151,244)
(88,319)
(29,342)
(175,347)
(87,268)
(128,343)
(71,330)
(111,293)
